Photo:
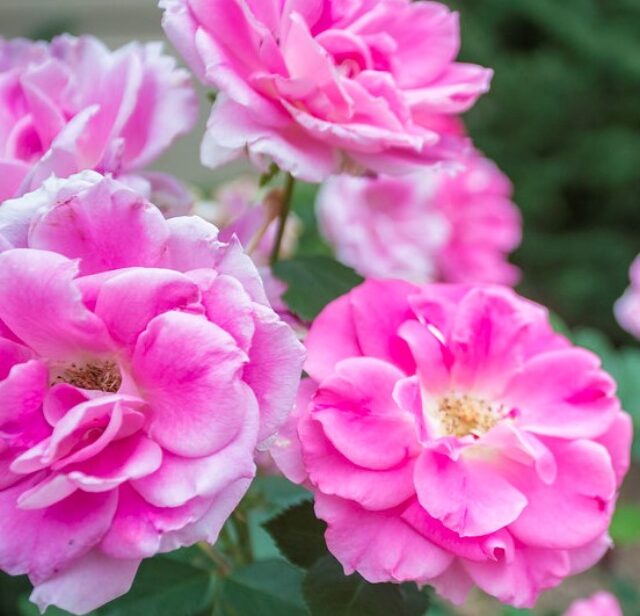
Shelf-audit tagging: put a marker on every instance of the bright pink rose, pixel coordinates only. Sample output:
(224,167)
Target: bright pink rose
(627,308)
(429,226)
(140,365)
(600,604)
(320,86)
(72,104)
(451,438)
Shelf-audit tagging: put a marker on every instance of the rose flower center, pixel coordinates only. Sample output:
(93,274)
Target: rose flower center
(96,375)
(463,415)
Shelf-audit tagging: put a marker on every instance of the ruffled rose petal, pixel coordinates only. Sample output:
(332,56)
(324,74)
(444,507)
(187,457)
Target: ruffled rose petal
(189,371)
(33,279)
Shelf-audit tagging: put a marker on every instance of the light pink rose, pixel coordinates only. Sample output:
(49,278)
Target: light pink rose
(433,225)
(140,366)
(627,308)
(239,208)
(72,105)
(600,604)
(451,438)
(320,86)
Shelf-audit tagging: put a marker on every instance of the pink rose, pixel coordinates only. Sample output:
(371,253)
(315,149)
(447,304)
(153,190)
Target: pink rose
(240,208)
(627,308)
(140,365)
(429,226)
(600,604)
(72,105)
(326,85)
(451,438)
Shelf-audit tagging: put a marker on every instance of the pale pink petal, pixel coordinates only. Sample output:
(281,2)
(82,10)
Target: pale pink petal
(378,545)
(520,582)
(577,399)
(33,281)
(127,302)
(354,418)
(40,542)
(106,226)
(87,583)
(179,479)
(273,371)
(577,507)
(189,371)
(333,474)
(466,494)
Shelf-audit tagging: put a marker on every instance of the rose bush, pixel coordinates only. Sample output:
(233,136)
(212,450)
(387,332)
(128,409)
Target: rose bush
(140,366)
(451,438)
(324,86)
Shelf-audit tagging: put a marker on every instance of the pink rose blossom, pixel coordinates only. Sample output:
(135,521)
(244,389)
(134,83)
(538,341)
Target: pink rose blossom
(423,227)
(72,104)
(240,208)
(600,604)
(627,308)
(327,85)
(140,366)
(451,438)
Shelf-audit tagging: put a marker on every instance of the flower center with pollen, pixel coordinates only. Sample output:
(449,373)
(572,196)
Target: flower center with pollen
(96,375)
(464,415)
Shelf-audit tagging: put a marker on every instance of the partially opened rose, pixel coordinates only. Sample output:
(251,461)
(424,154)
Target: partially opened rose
(451,438)
(140,366)
(320,86)
(433,225)
(72,105)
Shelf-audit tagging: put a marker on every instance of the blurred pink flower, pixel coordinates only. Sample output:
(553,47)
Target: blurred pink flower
(627,308)
(451,438)
(72,105)
(424,227)
(322,86)
(600,604)
(238,208)
(140,366)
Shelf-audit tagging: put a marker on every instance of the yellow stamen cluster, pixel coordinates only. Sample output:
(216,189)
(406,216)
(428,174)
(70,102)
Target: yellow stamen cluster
(463,415)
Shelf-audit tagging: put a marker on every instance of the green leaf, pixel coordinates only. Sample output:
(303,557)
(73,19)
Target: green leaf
(164,587)
(11,589)
(298,534)
(330,593)
(264,588)
(314,282)
(625,526)
(268,496)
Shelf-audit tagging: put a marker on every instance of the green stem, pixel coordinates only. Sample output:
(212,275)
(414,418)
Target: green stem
(244,536)
(285,210)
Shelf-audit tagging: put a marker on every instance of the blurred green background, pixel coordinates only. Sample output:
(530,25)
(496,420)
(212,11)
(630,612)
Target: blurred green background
(563,120)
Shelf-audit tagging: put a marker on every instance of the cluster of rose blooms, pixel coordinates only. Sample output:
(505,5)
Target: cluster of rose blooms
(449,436)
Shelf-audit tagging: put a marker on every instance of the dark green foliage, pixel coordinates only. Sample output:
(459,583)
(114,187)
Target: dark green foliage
(313,282)
(266,588)
(329,593)
(165,587)
(298,534)
(563,121)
